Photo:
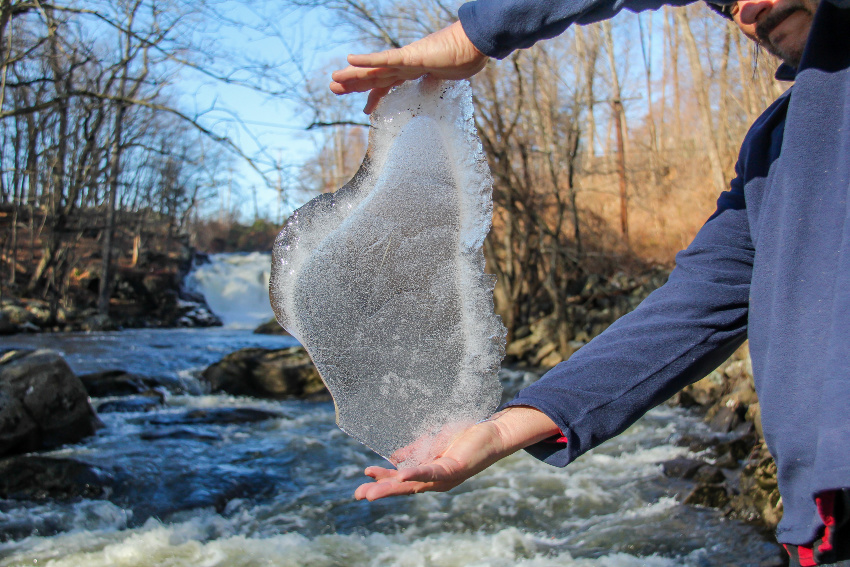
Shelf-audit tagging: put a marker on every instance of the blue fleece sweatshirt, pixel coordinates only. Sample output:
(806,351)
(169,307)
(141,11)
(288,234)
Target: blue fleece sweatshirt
(772,264)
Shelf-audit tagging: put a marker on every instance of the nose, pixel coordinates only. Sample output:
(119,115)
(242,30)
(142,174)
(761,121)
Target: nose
(752,11)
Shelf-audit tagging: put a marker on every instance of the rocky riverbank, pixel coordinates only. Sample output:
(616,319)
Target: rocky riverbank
(596,302)
(150,294)
(735,472)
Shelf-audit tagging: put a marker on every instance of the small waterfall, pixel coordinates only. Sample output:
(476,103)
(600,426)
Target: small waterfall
(236,287)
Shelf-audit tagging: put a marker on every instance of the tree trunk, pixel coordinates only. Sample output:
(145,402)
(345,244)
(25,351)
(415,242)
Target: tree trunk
(646,53)
(587,50)
(619,120)
(617,110)
(718,175)
(105,289)
(672,33)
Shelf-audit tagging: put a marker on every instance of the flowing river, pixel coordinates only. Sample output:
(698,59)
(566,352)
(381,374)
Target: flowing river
(278,492)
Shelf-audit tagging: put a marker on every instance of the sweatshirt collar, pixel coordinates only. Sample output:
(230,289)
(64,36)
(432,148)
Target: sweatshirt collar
(786,72)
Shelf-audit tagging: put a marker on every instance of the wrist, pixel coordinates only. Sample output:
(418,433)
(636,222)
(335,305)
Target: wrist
(521,426)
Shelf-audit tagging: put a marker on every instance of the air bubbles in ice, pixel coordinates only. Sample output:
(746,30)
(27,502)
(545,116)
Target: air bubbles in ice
(388,292)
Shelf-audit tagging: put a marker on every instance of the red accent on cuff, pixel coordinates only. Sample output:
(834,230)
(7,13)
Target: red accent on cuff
(555,439)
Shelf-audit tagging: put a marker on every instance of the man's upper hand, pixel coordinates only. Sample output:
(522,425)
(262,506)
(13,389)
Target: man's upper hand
(446,54)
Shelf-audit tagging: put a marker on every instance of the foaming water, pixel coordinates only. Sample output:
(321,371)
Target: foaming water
(182,545)
(279,492)
(236,287)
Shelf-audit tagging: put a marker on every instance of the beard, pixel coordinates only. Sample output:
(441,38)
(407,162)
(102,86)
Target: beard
(792,53)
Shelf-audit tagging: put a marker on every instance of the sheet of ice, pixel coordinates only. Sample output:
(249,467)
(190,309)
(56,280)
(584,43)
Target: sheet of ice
(383,281)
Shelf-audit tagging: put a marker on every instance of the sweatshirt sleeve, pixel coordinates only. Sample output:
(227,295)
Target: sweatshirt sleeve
(680,333)
(497,27)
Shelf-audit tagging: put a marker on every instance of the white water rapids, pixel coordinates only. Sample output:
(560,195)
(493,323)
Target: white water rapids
(236,287)
(278,492)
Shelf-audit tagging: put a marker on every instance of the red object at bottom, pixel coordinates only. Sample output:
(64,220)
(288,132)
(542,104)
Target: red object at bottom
(834,544)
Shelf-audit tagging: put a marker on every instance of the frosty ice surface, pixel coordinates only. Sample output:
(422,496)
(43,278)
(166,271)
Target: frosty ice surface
(383,281)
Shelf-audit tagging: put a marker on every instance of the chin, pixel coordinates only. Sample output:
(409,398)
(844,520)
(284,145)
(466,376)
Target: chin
(791,56)
(789,51)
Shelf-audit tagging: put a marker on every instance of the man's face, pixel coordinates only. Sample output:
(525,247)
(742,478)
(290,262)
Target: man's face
(780,26)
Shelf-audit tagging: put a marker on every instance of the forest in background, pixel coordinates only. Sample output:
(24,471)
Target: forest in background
(608,145)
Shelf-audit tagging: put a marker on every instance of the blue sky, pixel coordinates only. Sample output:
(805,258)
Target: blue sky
(277,124)
(270,127)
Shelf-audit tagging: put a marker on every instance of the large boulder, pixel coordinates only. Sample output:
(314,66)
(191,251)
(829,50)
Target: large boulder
(42,403)
(32,477)
(266,373)
(117,383)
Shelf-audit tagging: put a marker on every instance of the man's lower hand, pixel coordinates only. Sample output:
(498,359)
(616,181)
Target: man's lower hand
(473,451)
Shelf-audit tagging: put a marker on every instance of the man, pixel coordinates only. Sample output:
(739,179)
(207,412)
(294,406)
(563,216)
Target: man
(772,264)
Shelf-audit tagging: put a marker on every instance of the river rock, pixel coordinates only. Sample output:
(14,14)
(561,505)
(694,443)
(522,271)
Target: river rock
(265,373)
(753,416)
(39,478)
(132,404)
(708,495)
(212,416)
(759,498)
(115,383)
(111,383)
(695,442)
(18,432)
(271,327)
(709,475)
(180,432)
(6,325)
(40,389)
(729,416)
(738,445)
(96,322)
(682,468)
(196,314)
(16,313)
(730,403)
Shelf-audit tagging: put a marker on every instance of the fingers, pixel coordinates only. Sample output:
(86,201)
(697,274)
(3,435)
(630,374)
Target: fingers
(388,58)
(379,473)
(375,96)
(375,490)
(437,476)
(358,83)
(424,473)
(357,75)
(446,54)
(377,81)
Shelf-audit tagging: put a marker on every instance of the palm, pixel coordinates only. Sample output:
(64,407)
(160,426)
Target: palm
(473,451)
